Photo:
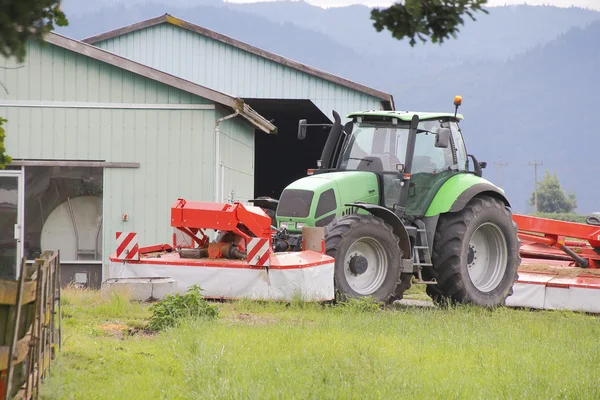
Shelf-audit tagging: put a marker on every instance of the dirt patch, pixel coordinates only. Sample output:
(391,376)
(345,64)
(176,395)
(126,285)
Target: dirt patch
(120,331)
(249,319)
(113,328)
(140,332)
(561,271)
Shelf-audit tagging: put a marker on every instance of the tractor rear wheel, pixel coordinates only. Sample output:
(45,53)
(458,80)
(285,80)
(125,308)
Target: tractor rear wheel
(367,256)
(475,255)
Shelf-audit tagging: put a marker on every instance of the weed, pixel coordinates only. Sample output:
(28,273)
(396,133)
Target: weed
(366,304)
(169,311)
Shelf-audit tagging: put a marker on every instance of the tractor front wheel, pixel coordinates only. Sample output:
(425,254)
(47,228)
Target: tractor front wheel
(475,255)
(367,256)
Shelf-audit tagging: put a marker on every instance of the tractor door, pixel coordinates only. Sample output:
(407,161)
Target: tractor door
(432,167)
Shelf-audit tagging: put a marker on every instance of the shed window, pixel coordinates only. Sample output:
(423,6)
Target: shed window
(63,211)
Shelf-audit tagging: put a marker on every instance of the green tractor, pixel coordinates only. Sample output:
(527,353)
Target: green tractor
(396,198)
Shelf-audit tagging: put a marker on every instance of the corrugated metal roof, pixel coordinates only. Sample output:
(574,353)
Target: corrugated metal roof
(169,19)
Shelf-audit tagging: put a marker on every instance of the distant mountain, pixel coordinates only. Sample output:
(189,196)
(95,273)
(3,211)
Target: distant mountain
(528,75)
(504,32)
(539,106)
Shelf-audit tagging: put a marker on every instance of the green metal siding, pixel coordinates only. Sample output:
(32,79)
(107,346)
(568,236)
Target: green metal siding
(231,70)
(237,157)
(175,148)
(52,73)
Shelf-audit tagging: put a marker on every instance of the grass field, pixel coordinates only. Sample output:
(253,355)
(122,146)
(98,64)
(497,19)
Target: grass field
(304,351)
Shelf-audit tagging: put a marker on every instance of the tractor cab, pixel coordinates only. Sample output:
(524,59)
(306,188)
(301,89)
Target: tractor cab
(379,142)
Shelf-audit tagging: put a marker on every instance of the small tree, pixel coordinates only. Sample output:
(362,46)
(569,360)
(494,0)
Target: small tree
(436,19)
(20,21)
(552,198)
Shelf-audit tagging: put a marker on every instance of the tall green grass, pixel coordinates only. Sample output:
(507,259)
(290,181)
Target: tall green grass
(308,351)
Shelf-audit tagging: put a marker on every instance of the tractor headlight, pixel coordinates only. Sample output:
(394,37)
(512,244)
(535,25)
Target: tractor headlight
(283,225)
(300,225)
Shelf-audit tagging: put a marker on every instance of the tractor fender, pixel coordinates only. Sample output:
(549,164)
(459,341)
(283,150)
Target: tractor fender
(457,191)
(392,219)
(477,189)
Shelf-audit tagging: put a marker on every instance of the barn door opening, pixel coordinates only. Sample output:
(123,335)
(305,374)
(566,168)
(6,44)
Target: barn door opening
(281,159)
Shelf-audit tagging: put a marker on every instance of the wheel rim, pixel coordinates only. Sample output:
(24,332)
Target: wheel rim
(487,257)
(367,282)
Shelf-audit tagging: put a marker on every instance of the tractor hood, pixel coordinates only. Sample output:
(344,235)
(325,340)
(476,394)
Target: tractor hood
(316,200)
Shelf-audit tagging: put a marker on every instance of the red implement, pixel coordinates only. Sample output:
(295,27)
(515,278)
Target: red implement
(192,216)
(553,240)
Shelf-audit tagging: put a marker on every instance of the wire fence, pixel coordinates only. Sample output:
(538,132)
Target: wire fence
(30,327)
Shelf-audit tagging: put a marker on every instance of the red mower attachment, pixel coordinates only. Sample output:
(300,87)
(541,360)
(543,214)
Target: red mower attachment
(559,265)
(240,262)
(249,226)
(553,240)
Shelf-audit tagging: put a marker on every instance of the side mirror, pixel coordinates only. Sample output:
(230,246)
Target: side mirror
(302,129)
(479,166)
(442,138)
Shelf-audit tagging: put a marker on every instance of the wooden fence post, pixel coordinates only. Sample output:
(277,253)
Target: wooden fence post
(28,309)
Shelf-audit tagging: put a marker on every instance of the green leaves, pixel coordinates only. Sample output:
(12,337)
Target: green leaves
(169,311)
(21,20)
(4,158)
(436,19)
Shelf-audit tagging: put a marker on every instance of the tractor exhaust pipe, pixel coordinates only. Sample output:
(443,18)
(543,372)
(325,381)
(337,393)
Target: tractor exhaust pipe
(404,174)
(332,140)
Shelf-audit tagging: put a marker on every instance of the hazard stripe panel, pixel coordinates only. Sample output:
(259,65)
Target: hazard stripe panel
(127,246)
(258,252)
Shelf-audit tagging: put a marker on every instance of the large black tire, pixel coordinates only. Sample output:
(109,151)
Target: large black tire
(475,255)
(354,236)
(403,286)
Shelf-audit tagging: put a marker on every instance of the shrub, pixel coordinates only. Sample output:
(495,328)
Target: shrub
(169,311)
(569,217)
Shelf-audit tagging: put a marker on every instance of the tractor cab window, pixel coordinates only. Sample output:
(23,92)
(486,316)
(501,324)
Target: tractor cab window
(375,148)
(432,166)
(428,158)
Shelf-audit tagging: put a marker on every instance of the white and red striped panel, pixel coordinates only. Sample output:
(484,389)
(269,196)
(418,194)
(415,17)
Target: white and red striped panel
(259,252)
(127,246)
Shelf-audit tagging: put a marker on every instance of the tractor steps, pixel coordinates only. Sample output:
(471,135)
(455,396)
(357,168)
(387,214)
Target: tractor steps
(422,254)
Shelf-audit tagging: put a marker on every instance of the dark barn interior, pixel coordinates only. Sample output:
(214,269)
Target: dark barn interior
(282,158)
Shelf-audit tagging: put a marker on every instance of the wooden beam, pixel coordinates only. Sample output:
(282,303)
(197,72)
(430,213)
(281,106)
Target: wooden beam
(21,351)
(8,292)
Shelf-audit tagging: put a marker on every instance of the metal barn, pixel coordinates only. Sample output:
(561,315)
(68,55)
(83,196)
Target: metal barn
(102,144)
(278,88)
(107,134)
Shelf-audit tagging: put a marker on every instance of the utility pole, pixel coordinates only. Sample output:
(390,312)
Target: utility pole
(501,164)
(535,164)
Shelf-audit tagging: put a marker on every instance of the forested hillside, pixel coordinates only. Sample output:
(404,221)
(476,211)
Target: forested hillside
(528,75)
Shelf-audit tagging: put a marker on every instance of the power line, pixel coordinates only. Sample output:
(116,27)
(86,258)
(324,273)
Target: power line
(501,165)
(535,186)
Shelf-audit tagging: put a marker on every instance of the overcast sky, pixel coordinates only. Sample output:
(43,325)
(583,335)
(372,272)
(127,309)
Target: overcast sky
(593,4)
